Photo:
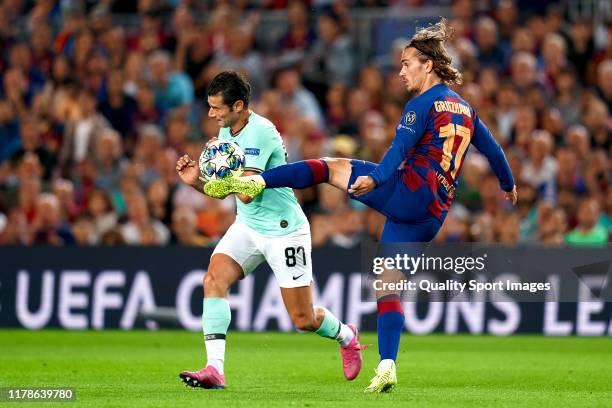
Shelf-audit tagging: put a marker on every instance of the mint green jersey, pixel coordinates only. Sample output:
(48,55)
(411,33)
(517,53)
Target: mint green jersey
(276,211)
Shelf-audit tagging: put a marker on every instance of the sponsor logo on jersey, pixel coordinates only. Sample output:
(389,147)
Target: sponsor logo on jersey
(253,151)
(410,118)
(401,126)
(450,189)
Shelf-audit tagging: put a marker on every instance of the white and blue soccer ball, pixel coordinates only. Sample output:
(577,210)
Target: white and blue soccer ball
(220,159)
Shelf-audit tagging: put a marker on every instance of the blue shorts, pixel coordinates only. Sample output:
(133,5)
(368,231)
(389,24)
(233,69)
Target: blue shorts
(408,219)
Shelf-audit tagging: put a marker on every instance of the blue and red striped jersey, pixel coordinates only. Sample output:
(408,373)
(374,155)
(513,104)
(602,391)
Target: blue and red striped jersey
(432,139)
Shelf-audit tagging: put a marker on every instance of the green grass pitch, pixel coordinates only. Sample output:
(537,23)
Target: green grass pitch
(140,368)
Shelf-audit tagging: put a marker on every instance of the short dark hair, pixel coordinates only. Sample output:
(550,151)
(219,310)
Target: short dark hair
(232,86)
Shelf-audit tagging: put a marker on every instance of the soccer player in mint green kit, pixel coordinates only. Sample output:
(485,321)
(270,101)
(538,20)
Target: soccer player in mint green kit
(270,227)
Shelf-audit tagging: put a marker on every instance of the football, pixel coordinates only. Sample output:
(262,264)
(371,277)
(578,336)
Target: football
(220,159)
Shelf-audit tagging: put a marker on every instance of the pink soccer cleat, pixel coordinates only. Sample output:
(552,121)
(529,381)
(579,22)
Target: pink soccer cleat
(207,377)
(351,356)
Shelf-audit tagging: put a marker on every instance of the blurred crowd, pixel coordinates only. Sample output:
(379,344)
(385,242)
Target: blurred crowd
(94,114)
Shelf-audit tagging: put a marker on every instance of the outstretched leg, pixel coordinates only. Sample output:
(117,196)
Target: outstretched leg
(307,173)
(301,174)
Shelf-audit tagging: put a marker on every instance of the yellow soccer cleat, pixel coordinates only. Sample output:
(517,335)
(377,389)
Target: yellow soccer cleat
(385,378)
(250,186)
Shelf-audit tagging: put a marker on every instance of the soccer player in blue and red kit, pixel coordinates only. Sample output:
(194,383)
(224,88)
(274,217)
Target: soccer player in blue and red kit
(414,185)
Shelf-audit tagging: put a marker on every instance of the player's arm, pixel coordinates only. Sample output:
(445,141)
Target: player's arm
(407,133)
(403,142)
(487,145)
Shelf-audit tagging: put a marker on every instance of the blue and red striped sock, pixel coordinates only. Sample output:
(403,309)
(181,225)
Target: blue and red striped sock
(301,174)
(389,326)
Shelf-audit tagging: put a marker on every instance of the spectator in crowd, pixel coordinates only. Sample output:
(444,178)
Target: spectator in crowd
(507,101)
(522,40)
(357,105)
(177,130)
(507,16)
(523,69)
(389,64)
(150,142)
(566,95)
(112,238)
(146,110)
(10,140)
(148,235)
(109,162)
(240,56)
(568,173)
(597,174)
(64,191)
(140,224)
(456,228)
(193,56)
(552,228)
(604,81)
(20,58)
(371,81)
(336,108)
(331,58)
(118,108)
(41,55)
(581,47)
(490,53)
(47,226)
(173,89)
(541,168)
(587,232)
(373,136)
(299,36)
(184,231)
(83,231)
(577,138)
(31,143)
(159,201)
(293,93)
(81,135)
(525,124)
(596,118)
(99,208)
(133,68)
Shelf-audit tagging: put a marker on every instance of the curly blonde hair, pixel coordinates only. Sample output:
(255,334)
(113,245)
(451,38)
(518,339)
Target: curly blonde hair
(429,42)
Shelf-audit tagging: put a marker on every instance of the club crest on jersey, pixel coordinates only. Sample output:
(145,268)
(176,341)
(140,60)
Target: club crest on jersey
(251,151)
(410,118)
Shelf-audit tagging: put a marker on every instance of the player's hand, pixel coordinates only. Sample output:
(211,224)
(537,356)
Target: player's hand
(187,170)
(363,185)
(212,139)
(512,195)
